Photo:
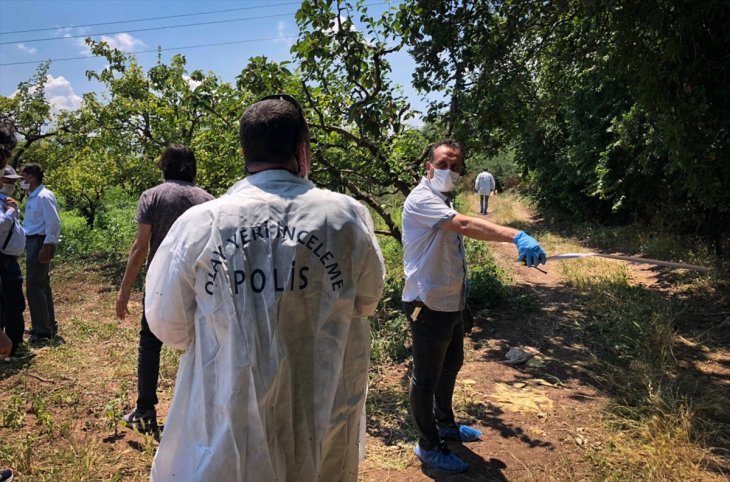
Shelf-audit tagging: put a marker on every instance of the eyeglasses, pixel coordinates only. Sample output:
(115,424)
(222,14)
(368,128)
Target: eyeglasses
(287,98)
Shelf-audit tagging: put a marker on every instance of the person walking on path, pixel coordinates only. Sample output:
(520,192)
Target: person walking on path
(434,297)
(42,231)
(268,289)
(12,245)
(484,186)
(157,210)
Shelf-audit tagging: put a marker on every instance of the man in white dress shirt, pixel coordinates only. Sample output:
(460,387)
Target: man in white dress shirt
(434,298)
(42,230)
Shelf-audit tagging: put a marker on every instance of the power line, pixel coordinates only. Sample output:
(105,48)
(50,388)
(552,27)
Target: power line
(166,27)
(151,18)
(155,50)
(149,28)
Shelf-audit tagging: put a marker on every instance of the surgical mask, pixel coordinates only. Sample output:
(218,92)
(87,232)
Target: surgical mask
(24,185)
(444,180)
(8,189)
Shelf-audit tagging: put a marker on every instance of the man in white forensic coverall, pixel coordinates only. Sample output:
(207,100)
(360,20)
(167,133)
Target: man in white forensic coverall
(484,186)
(267,289)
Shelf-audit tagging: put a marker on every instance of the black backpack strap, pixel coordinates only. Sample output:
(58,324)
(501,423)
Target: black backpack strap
(10,235)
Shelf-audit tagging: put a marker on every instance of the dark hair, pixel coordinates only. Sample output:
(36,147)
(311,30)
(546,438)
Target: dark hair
(7,140)
(452,144)
(34,170)
(271,129)
(177,162)
(449,143)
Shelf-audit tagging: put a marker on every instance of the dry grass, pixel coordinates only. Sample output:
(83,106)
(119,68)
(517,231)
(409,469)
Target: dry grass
(60,410)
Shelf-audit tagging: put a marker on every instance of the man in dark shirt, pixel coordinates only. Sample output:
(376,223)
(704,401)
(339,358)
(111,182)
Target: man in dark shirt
(157,210)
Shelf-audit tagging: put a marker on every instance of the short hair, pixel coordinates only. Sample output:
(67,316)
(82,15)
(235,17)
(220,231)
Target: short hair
(271,129)
(448,143)
(452,144)
(177,162)
(8,140)
(34,170)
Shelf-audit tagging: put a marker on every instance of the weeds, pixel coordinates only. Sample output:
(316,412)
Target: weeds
(14,413)
(114,409)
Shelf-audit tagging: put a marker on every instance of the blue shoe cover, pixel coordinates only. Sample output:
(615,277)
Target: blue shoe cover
(468,434)
(442,459)
(459,433)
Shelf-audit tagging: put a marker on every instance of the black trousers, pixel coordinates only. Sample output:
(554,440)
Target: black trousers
(13,301)
(38,289)
(438,353)
(483,203)
(148,367)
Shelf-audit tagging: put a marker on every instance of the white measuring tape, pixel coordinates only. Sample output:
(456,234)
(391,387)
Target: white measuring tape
(630,259)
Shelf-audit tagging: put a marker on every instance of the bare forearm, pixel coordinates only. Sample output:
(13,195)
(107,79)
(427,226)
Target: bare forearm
(477,228)
(134,265)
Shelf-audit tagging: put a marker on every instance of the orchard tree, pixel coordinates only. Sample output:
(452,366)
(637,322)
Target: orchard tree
(358,116)
(149,110)
(617,111)
(31,114)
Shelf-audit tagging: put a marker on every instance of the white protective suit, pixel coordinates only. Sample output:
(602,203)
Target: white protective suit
(267,288)
(484,184)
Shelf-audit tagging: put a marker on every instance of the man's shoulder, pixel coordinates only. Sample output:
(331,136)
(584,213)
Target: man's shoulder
(176,189)
(420,193)
(47,194)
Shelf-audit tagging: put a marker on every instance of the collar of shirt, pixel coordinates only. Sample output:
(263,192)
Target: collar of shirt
(269,175)
(182,183)
(448,199)
(37,190)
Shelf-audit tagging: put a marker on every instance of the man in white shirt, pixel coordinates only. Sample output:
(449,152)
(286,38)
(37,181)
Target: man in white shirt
(484,186)
(42,231)
(268,289)
(434,297)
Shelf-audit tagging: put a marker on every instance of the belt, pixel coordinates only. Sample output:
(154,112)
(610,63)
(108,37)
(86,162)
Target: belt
(36,236)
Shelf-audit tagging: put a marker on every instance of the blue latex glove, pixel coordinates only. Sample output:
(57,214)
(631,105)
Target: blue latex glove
(529,250)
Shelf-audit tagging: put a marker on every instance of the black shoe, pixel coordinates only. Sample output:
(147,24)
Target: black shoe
(38,341)
(6,475)
(20,353)
(143,422)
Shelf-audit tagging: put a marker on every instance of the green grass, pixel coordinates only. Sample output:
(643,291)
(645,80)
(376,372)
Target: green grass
(665,419)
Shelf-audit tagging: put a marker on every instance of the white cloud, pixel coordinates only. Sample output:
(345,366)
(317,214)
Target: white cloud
(26,49)
(192,83)
(85,50)
(63,32)
(66,32)
(122,41)
(60,94)
(282,36)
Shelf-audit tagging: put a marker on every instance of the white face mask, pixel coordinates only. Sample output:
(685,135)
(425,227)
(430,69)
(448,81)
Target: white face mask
(24,185)
(444,180)
(8,189)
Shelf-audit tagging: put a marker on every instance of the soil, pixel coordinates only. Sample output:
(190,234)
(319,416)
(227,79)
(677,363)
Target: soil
(543,420)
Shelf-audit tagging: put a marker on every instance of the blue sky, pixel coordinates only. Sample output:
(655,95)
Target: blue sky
(268,27)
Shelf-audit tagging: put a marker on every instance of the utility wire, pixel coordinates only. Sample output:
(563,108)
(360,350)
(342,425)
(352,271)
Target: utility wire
(163,27)
(149,28)
(155,50)
(151,18)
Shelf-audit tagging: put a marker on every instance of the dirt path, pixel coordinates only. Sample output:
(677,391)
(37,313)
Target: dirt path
(540,420)
(543,420)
